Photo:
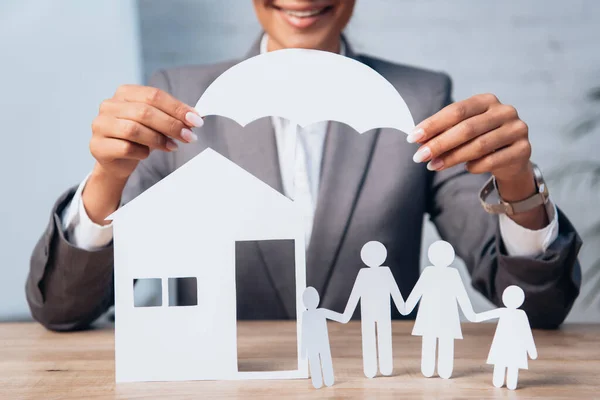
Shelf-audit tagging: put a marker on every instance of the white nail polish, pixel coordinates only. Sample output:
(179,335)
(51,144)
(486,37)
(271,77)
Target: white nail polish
(435,165)
(172,146)
(415,136)
(188,136)
(194,119)
(423,154)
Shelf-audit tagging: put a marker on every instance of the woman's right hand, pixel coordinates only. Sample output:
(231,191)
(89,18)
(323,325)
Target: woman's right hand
(134,122)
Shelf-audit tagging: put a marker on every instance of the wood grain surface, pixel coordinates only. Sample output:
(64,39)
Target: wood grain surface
(38,364)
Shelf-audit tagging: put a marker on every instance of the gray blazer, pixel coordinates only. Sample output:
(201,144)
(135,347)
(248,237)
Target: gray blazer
(370,190)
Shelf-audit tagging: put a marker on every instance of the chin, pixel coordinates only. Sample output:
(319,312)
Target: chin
(304,41)
(308,24)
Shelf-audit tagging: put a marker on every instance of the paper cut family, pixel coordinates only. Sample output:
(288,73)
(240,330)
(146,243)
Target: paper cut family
(170,342)
(314,344)
(513,340)
(440,291)
(373,287)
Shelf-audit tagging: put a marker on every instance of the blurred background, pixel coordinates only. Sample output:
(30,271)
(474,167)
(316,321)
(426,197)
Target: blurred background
(60,59)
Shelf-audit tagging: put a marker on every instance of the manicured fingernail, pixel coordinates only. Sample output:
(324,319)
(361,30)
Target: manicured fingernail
(171,145)
(188,135)
(423,154)
(416,135)
(194,119)
(435,165)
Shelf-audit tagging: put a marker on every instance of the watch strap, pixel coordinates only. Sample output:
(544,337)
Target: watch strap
(510,208)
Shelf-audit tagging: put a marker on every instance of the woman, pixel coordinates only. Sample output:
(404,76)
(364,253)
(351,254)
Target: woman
(375,186)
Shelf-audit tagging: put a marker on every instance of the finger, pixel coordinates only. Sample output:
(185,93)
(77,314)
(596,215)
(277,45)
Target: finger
(451,115)
(502,158)
(110,149)
(480,146)
(149,116)
(132,131)
(161,100)
(460,134)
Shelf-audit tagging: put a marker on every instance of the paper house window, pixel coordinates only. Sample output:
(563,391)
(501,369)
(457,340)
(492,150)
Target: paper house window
(187,285)
(147,292)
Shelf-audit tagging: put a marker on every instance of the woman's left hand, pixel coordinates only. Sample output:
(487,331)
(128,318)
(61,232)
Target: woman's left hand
(487,136)
(482,132)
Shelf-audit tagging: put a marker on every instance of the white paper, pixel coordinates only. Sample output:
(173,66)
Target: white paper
(186,226)
(315,338)
(373,287)
(307,86)
(513,340)
(440,291)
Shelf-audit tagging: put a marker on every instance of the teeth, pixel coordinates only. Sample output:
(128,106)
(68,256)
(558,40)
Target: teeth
(303,14)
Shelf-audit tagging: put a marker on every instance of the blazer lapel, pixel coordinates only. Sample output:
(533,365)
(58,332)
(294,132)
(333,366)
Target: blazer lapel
(345,163)
(254,148)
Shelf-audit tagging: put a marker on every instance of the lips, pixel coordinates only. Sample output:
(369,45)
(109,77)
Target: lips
(303,17)
(305,14)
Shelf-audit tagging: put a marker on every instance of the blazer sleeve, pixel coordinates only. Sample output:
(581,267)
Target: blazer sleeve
(68,288)
(551,280)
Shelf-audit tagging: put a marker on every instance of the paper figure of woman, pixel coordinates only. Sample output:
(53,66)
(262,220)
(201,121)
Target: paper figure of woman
(440,291)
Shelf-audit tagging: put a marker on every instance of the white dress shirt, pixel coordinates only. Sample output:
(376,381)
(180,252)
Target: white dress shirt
(300,151)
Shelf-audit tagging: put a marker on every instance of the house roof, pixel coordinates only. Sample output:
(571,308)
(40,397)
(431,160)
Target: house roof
(210,172)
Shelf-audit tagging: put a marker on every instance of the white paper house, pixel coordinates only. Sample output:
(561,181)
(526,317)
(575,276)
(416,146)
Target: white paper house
(186,225)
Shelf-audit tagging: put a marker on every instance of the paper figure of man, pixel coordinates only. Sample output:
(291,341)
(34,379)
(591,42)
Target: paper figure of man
(440,290)
(314,343)
(373,287)
(513,340)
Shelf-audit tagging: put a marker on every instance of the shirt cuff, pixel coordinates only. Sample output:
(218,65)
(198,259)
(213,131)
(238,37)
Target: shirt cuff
(523,242)
(80,230)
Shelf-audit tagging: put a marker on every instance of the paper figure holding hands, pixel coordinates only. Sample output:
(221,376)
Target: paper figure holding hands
(373,287)
(440,289)
(315,338)
(513,340)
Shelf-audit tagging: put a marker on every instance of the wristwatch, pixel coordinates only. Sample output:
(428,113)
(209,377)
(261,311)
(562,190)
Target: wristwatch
(505,207)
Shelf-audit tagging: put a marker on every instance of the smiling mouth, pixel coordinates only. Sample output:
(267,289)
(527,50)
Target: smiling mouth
(316,12)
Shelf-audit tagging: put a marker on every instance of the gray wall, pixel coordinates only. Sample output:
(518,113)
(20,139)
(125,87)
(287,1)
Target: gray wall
(59,61)
(540,55)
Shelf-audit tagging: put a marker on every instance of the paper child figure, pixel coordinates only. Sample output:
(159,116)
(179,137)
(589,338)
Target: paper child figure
(373,287)
(315,338)
(513,340)
(440,289)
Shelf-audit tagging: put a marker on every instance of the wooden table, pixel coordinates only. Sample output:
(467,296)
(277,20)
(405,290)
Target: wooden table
(38,364)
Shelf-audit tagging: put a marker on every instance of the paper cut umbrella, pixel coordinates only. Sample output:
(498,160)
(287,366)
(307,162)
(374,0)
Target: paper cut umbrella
(305,87)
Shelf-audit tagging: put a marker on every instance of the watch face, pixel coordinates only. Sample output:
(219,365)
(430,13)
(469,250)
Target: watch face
(539,180)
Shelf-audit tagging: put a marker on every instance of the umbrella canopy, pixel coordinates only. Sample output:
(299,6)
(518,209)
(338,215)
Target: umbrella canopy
(305,87)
